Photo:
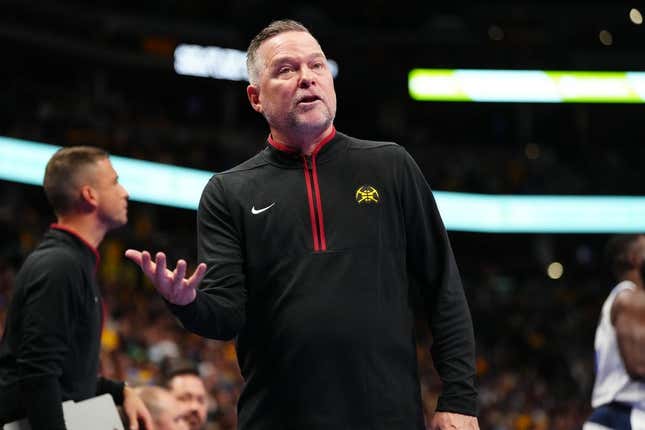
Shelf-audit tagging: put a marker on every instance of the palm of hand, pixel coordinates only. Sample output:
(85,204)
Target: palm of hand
(172,285)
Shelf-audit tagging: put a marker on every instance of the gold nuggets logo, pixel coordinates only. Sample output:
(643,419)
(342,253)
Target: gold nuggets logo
(367,195)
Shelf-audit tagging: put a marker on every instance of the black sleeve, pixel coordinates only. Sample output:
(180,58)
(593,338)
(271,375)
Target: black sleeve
(113,388)
(48,322)
(218,311)
(432,265)
(41,398)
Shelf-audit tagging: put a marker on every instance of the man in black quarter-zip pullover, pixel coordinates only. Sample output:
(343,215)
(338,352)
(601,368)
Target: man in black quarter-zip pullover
(310,248)
(49,351)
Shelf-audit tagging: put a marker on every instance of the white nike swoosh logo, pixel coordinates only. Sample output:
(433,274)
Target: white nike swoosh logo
(255,211)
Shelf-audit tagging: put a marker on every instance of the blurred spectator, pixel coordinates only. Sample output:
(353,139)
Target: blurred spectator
(166,411)
(185,384)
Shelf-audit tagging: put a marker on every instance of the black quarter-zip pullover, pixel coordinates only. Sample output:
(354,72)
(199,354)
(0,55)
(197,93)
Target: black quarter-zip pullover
(310,261)
(49,351)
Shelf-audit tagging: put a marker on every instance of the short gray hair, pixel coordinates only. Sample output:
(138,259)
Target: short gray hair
(271,30)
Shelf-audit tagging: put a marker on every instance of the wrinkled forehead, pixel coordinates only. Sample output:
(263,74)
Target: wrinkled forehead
(291,44)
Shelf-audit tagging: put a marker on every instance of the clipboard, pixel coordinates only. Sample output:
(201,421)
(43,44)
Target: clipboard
(97,413)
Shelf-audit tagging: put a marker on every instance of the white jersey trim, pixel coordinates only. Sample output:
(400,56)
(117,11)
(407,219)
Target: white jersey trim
(613,383)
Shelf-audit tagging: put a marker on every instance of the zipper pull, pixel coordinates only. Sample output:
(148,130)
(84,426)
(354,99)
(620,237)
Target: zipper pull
(309,164)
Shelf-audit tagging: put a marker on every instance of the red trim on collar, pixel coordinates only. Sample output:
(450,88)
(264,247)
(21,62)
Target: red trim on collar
(323,142)
(281,147)
(284,148)
(78,236)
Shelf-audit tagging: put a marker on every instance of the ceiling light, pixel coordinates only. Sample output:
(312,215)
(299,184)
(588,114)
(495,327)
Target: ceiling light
(635,16)
(606,38)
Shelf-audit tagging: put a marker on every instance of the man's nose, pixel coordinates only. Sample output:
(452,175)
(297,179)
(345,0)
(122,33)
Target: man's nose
(307,77)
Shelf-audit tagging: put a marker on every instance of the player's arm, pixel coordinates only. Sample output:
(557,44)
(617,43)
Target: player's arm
(628,317)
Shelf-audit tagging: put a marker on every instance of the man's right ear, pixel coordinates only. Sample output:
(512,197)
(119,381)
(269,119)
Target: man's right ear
(253,93)
(88,198)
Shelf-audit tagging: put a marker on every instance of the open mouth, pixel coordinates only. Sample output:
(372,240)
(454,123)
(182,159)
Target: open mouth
(308,99)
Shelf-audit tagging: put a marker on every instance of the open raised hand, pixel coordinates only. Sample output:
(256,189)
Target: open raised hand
(172,285)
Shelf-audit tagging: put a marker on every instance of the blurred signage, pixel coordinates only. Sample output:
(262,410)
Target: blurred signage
(528,86)
(218,63)
(163,184)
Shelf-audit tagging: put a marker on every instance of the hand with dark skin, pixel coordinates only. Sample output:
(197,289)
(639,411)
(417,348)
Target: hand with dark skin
(628,316)
(628,312)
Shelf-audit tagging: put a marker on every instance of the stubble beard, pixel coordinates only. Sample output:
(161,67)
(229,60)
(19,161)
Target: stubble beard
(293,122)
(114,222)
(296,122)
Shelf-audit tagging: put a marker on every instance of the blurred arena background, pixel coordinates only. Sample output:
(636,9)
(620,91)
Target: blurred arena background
(103,74)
